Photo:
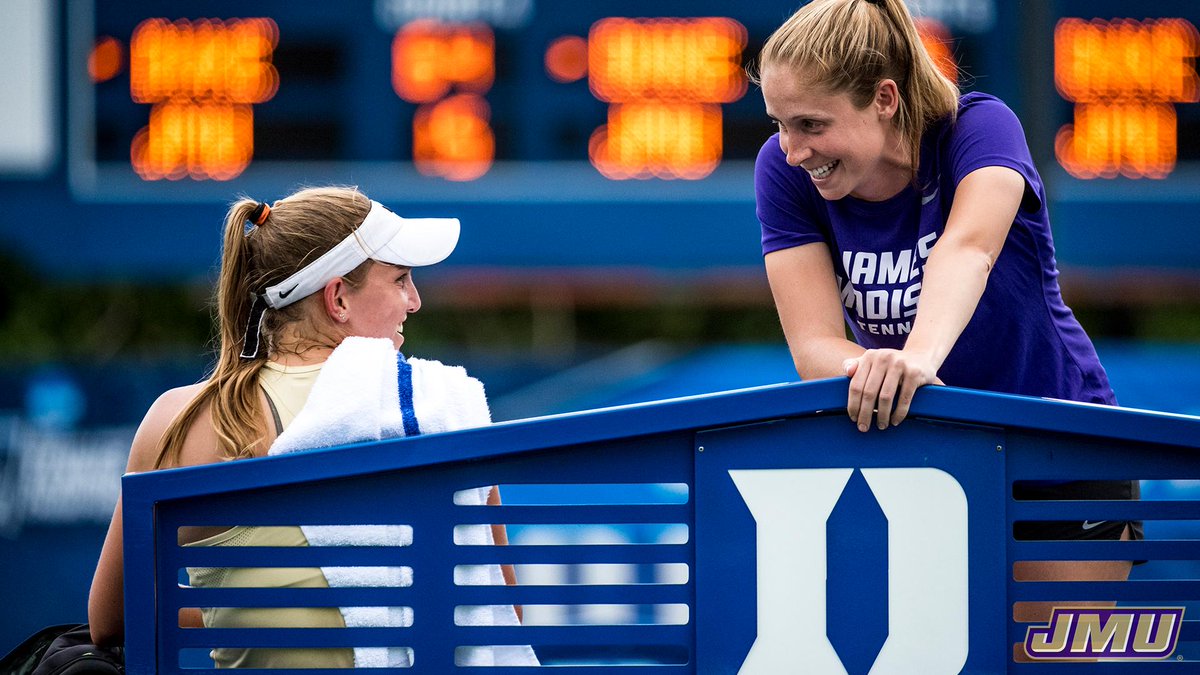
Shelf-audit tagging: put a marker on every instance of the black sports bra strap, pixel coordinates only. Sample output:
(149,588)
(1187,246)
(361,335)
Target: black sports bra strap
(274,413)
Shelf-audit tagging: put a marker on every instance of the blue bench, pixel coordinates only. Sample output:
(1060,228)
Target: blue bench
(780,520)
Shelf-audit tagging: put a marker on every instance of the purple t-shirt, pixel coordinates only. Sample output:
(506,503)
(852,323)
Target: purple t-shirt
(1022,339)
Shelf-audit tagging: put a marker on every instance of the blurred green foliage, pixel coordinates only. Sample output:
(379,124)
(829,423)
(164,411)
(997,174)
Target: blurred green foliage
(45,320)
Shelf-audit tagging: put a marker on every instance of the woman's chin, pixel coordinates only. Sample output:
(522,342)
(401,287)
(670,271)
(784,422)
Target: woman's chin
(830,188)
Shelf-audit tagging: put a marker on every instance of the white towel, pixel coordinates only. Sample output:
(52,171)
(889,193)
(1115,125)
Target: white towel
(411,397)
(355,398)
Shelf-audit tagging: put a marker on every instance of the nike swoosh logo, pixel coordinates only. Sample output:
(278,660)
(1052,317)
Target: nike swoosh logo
(1087,524)
(284,294)
(929,197)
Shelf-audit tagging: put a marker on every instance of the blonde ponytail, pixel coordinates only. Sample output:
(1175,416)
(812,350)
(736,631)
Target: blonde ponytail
(230,390)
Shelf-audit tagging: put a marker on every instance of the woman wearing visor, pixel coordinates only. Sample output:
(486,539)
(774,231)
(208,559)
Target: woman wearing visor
(297,277)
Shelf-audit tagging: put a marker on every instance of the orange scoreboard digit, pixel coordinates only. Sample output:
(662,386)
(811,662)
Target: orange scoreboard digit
(201,79)
(1125,78)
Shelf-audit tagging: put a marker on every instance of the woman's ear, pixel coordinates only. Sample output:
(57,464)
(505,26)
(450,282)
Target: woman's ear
(887,99)
(335,301)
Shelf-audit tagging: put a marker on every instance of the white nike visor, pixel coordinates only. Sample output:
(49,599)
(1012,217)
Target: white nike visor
(384,237)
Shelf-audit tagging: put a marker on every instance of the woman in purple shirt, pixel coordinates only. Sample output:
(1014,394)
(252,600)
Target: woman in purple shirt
(885,191)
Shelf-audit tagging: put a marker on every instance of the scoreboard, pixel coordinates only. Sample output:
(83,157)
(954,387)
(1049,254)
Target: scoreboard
(634,117)
(505,94)
(663,80)
(204,90)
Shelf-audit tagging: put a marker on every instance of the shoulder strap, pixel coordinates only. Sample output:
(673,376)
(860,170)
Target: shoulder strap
(274,412)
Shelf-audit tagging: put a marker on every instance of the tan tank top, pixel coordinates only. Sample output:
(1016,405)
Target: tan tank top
(287,387)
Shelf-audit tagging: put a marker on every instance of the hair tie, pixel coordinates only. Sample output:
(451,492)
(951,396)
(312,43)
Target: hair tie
(253,336)
(259,215)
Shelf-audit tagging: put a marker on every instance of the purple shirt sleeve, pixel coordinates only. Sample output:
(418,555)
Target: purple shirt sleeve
(788,206)
(988,133)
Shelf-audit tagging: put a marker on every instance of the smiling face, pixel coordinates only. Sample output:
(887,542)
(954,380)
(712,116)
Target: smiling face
(379,306)
(845,150)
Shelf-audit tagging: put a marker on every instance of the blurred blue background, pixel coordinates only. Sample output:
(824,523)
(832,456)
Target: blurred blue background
(570,290)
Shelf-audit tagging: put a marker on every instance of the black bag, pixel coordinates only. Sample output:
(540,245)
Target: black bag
(26,656)
(63,650)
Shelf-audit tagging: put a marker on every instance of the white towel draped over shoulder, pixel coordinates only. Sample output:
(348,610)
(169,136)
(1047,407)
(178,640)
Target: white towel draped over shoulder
(355,398)
(366,392)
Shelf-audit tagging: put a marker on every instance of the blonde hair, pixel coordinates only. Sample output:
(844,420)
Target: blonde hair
(297,230)
(850,46)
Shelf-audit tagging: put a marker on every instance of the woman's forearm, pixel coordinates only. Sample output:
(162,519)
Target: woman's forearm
(818,358)
(955,278)
(957,271)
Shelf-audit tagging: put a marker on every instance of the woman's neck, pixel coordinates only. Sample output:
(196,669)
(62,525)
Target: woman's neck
(888,183)
(895,171)
(307,357)
(294,350)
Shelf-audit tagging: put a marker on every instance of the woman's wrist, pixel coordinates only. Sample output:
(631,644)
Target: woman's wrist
(934,355)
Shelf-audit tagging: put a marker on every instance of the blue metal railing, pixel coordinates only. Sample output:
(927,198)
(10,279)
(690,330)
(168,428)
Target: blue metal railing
(959,442)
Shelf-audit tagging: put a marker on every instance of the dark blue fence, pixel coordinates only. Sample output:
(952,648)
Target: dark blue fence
(773,534)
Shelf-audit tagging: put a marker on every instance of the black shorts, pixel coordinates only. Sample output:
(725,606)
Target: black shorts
(1058,530)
